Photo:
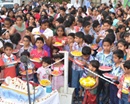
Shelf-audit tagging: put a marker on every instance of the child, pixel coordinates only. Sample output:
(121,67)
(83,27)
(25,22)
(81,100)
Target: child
(31,66)
(123,45)
(26,46)
(60,36)
(8,57)
(38,52)
(58,81)
(91,93)
(105,59)
(86,28)
(7,23)
(5,35)
(55,50)
(44,71)
(117,72)
(76,70)
(124,86)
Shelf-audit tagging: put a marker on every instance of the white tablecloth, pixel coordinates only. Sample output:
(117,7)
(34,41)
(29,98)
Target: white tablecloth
(46,98)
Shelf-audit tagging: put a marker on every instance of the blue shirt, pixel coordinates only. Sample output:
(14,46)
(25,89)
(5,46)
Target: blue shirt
(105,60)
(86,3)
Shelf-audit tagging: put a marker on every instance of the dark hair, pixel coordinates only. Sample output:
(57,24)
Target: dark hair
(39,39)
(127,34)
(127,64)
(59,55)
(28,37)
(15,38)
(119,53)
(80,35)
(2,31)
(9,20)
(19,16)
(111,37)
(47,60)
(43,21)
(61,26)
(30,28)
(80,20)
(26,53)
(62,8)
(87,19)
(8,45)
(95,23)
(60,19)
(85,24)
(108,22)
(110,31)
(56,48)
(123,42)
(95,64)
(88,39)
(72,35)
(107,40)
(86,50)
(119,27)
(69,21)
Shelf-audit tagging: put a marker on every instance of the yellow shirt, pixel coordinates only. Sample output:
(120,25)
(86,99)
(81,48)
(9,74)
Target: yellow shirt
(126,85)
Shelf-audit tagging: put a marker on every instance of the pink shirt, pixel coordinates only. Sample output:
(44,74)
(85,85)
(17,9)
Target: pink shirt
(35,54)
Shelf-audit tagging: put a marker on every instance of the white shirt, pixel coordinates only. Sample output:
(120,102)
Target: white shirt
(43,73)
(77,5)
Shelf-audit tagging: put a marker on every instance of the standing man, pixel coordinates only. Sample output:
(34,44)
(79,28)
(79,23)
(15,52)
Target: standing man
(86,4)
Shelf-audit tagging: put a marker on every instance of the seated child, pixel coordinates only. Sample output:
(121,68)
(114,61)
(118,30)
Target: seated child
(44,71)
(31,66)
(124,86)
(91,92)
(8,57)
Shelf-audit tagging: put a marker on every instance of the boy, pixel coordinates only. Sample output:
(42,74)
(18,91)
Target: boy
(105,59)
(76,70)
(124,86)
(86,28)
(44,72)
(8,58)
(117,72)
(91,93)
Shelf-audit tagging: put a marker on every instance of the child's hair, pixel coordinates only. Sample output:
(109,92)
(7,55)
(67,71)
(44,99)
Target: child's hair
(43,21)
(119,27)
(62,8)
(61,26)
(111,37)
(110,31)
(70,20)
(2,31)
(80,20)
(60,20)
(127,34)
(88,39)
(107,40)
(119,53)
(86,50)
(8,45)
(9,20)
(108,22)
(47,60)
(80,35)
(39,39)
(19,16)
(26,53)
(95,64)
(86,23)
(28,37)
(123,42)
(95,23)
(127,64)
(15,38)
(56,48)
(72,35)
(58,56)
(87,19)
(30,29)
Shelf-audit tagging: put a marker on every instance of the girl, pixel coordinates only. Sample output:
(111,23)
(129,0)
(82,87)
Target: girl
(7,23)
(11,15)
(58,81)
(60,36)
(26,46)
(91,92)
(32,21)
(123,45)
(51,12)
(19,27)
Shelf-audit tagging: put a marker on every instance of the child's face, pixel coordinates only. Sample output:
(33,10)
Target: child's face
(106,26)
(97,29)
(56,24)
(19,21)
(31,20)
(127,39)
(8,51)
(106,46)
(60,32)
(26,42)
(54,52)
(39,44)
(121,47)
(44,64)
(126,70)
(116,59)
(7,24)
(87,28)
(44,26)
(91,68)
(122,30)
(85,57)
(28,32)
(70,39)
(77,39)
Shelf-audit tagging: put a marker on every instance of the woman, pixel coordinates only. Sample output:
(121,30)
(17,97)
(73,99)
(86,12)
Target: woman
(51,12)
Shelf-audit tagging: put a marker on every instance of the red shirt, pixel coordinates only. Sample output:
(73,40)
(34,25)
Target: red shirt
(35,54)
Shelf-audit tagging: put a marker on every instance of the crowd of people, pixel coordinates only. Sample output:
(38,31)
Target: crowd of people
(33,30)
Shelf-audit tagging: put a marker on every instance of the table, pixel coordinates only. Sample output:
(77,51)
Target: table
(47,98)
